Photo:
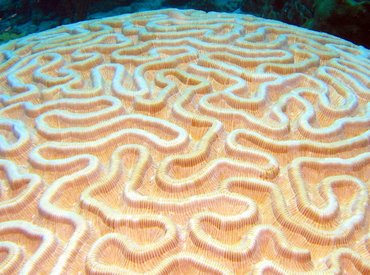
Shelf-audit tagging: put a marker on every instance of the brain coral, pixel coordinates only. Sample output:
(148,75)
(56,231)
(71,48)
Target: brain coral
(184,142)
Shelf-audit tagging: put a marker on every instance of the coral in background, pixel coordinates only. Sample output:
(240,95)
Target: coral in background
(345,18)
(184,142)
(291,11)
(6,36)
(74,10)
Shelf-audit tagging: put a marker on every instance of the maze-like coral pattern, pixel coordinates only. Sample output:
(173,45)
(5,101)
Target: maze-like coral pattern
(184,142)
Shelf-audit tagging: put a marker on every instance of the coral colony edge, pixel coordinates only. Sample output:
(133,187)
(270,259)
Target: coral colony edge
(185,142)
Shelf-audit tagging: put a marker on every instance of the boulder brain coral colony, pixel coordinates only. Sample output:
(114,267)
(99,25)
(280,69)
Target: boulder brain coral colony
(185,142)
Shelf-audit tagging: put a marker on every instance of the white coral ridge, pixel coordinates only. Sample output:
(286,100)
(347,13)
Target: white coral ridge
(186,142)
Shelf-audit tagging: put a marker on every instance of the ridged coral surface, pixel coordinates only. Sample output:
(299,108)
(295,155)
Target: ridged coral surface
(184,142)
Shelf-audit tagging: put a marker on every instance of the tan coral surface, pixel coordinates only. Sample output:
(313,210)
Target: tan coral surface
(184,142)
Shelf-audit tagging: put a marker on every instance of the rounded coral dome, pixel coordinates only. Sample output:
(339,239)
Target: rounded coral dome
(184,142)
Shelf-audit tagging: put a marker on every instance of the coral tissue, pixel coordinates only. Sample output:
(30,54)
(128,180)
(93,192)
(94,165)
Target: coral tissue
(184,142)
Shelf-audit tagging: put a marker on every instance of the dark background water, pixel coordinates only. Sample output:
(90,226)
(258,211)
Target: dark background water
(348,19)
